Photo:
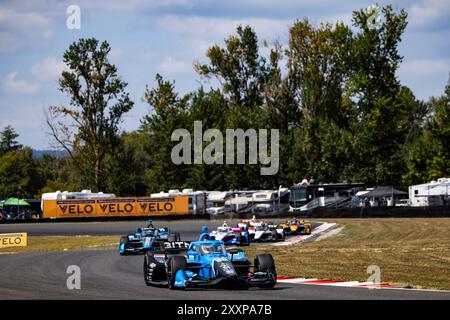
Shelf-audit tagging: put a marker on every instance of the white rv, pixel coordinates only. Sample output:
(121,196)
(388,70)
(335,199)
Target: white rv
(216,202)
(84,194)
(435,193)
(197,199)
(270,201)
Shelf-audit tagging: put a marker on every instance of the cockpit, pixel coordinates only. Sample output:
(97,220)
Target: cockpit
(207,249)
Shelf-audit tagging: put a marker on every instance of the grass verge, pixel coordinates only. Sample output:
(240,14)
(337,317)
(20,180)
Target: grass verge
(411,252)
(61,243)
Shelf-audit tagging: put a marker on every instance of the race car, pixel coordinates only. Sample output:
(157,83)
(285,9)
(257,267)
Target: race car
(268,232)
(207,263)
(146,238)
(296,227)
(262,231)
(231,235)
(250,226)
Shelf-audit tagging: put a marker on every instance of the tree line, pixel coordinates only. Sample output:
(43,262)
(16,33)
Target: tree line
(332,92)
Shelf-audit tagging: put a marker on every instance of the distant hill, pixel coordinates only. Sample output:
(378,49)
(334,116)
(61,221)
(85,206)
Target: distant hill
(54,153)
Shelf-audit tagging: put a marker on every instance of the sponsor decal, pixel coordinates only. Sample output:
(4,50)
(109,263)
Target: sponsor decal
(8,240)
(116,207)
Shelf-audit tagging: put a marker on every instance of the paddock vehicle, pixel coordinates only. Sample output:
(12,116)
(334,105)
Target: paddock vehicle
(296,227)
(144,239)
(207,263)
(231,235)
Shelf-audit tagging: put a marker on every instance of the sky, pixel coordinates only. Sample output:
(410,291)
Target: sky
(167,36)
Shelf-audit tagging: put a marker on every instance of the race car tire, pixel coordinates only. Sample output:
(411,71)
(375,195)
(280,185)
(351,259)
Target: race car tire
(308,230)
(147,281)
(175,264)
(123,240)
(174,237)
(244,241)
(265,263)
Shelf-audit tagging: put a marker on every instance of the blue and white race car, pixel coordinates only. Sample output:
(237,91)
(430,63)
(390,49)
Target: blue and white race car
(145,239)
(207,263)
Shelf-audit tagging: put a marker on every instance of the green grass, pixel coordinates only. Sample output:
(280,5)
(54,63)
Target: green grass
(410,252)
(61,243)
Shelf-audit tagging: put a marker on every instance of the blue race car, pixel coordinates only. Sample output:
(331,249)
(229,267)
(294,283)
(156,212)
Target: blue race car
(207,263)
(145,239)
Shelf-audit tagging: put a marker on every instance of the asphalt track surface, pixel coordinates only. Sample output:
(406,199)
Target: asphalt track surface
(107,275)
(189,229)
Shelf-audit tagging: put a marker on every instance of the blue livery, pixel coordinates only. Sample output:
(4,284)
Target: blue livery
(207,263)
(145,239)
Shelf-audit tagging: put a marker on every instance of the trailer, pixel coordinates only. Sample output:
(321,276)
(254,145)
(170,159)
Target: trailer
(433,194)
(86,204)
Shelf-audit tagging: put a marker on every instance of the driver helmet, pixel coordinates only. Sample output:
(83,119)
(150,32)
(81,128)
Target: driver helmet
(207,249)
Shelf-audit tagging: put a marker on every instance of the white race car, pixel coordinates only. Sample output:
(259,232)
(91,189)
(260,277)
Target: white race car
(231,235)
(262,231)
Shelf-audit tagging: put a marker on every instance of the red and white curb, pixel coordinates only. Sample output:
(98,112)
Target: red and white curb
(337,283)
(314,234)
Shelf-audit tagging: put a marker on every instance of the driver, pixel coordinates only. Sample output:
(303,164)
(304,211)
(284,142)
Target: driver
(209,249)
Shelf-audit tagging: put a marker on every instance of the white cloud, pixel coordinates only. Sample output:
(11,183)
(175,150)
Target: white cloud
(11,85)
(174,67)
(48,69)
(425,67)
(20,29)
(429,13)
(197,34)
(213,28)
(134,5)
(425,77)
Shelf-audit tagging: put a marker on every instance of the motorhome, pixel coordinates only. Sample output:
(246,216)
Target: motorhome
(435,193)
(216,202)
(304,196)
(66,195)
(270,201)
(197,199)
(248,201)
(239,201)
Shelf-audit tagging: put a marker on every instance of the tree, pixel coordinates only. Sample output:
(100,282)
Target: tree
(428,157)
(8,140)
(318,68)
(246,78)
(127,169)
(168,113)
(238,67)
(55,173)
(208,107)
(376,97)
(18,174)
(88,128)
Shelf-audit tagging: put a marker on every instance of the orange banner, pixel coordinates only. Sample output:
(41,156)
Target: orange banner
(116,207)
